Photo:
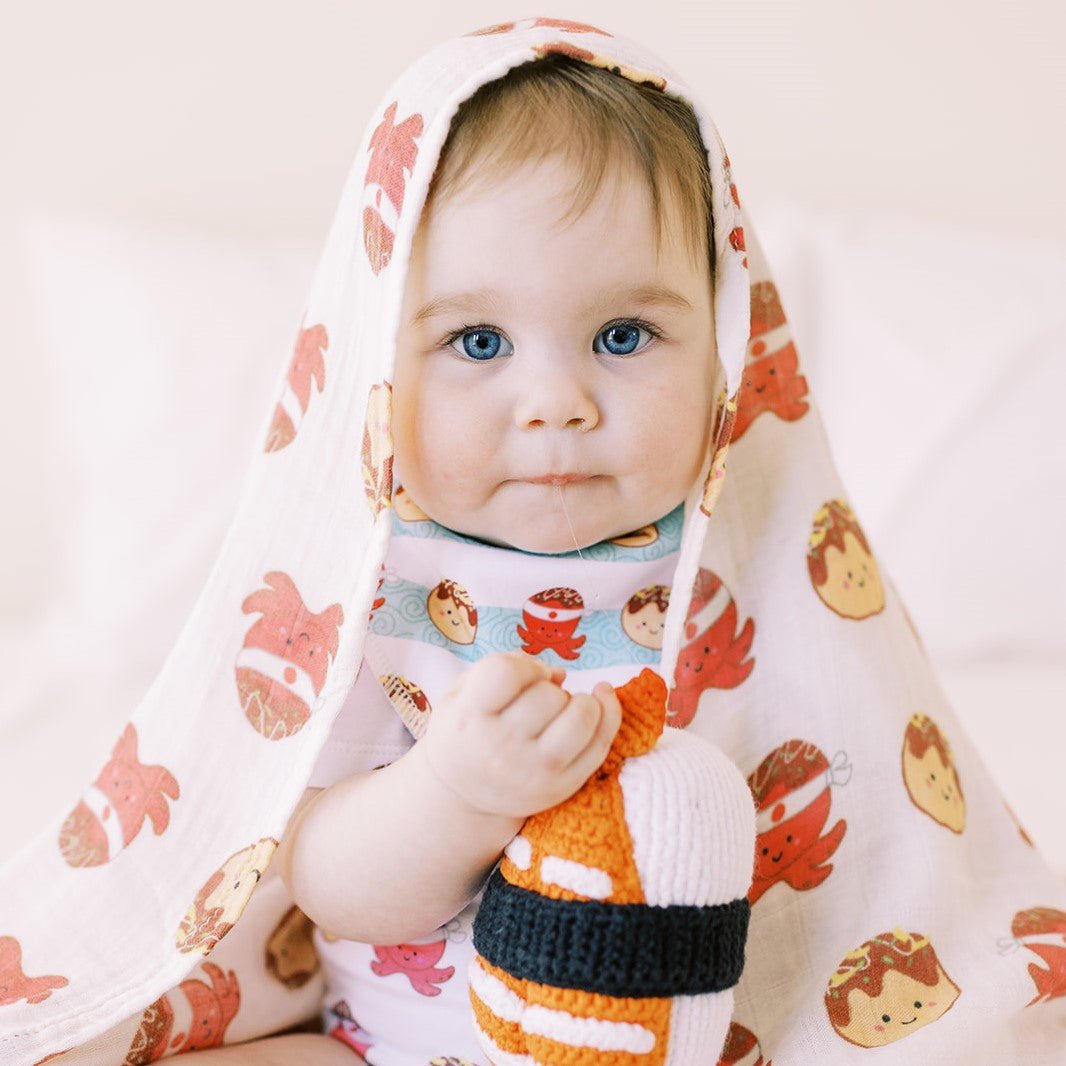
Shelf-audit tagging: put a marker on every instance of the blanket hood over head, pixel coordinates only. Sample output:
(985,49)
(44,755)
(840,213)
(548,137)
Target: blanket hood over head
(143,906)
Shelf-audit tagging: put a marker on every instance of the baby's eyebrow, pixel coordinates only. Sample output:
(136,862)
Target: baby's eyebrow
(642,294)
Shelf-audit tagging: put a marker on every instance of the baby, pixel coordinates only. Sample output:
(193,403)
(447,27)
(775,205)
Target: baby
(510,405)
(553,389)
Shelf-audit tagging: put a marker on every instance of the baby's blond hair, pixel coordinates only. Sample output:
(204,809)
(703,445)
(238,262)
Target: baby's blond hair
(556,104)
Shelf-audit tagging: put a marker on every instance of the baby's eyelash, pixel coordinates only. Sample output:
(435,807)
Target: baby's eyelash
(642,323)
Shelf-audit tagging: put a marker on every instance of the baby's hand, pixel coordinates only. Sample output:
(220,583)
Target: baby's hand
(510,741)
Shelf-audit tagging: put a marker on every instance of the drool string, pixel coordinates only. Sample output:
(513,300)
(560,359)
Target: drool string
(566,513)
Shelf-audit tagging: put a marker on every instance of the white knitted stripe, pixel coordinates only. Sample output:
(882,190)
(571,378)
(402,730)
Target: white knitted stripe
(699,1025)
(100,804)
(274,667)
(520,852)
(575,876)
(497,997)
(686,789)
(596,1033)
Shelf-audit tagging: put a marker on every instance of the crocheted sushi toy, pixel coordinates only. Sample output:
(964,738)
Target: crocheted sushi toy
(612,931)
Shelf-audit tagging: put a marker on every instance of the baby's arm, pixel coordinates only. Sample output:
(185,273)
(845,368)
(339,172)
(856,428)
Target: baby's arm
(389,856)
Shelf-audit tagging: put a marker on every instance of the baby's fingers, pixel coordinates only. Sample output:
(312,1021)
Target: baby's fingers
(494,682)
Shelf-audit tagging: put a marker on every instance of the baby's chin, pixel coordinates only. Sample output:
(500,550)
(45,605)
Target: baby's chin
(538,519)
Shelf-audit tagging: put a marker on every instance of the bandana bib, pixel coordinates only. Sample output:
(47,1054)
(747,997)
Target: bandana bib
(445,601)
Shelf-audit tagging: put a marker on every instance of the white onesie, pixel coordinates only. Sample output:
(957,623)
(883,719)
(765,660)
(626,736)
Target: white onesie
(448,600)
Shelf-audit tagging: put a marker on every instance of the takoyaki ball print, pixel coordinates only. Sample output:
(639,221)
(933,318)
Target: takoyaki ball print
(1043,931)
(633,74)
(888,988)
(393,152)
(771,381)
(842,568)
(551,618)
(378,455)
(223,897)
(290,949)
(638,538)
(930,775)
(193,1016)
(644,616)
(715,475)
(16,984)
(308,365)
(451,609)
(715,654)
(114,807)
(741,1048)
(410,701)
(282,666)
(406,508)
(792,789)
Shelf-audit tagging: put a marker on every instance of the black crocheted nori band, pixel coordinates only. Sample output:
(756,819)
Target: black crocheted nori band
(618,949)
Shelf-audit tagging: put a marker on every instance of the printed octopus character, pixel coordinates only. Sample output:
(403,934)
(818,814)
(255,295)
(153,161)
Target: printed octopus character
(770,381)
(1043,931)
(223,897)
(282,667)
(417,962)
(347,1029)
(930,775)
(114,807)
(15,984)
(887,989)
(715,654)
(551,617)
(638,538)
(410,701)
(200,1014)
(791,788)
(393,151)
(741,1048)
(712,487)
(308,364)
(377,454)
(842,568)
(452,611)
(406,508)
(644,616)
(290,949)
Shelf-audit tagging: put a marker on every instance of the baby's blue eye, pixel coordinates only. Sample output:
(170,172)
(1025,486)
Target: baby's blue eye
(622,336)
(480,344)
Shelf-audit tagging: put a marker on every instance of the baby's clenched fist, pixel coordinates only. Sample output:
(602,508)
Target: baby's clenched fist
(508,740)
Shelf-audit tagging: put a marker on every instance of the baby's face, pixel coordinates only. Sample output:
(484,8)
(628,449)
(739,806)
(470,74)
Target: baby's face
(546,362)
